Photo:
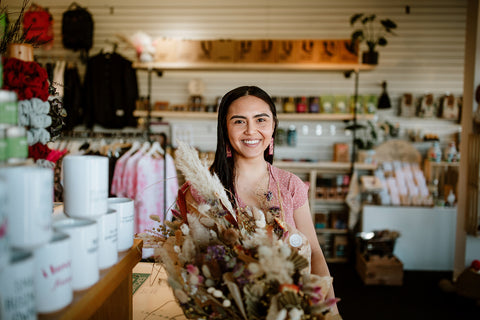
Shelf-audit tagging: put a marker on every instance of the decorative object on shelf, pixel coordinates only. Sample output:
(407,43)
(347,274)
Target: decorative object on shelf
(239,264)
(451,153)
(371,33)
(384,100)
(434,152)
(38,25)
(428,106)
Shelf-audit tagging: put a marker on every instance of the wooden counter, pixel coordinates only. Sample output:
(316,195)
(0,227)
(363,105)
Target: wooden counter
(110,297)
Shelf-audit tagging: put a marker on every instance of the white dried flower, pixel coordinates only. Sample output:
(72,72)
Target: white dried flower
(207,185)
(295,314)
(177,249)
(226,303)
(253,267)
(217,294)
(185,229)
(282,315)
(210,290)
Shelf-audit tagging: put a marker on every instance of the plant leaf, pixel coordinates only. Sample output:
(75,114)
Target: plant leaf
(382,41)
(355,17)
(357,35)
(388,24)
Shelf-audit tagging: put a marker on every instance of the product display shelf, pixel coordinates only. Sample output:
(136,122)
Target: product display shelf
(110,297)
(334,240)
(261,67)
(191,115)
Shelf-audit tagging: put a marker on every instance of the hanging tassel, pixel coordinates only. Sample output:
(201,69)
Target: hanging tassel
(384,100)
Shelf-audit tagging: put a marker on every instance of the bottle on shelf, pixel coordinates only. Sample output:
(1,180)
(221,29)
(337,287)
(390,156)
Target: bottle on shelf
(435,153)
(314,105)
(289,105)
(292,136)
(301,105)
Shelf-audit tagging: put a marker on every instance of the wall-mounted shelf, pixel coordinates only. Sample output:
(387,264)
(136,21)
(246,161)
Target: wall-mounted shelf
(190,115)
(262,67)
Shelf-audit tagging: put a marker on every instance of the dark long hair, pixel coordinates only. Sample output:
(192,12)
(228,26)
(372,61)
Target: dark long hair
(224,167)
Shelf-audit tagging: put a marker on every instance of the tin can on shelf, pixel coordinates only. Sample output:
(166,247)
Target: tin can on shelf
(3,142)
(17,147)
(8,107)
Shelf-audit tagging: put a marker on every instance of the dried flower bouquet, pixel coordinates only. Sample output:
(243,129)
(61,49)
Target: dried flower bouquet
(224,262)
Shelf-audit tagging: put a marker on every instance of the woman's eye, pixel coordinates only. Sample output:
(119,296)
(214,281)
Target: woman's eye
(238,122)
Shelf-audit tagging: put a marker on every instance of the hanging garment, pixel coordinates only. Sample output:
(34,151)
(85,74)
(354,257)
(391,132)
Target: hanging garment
(150,192)
(111,91)
(72,97)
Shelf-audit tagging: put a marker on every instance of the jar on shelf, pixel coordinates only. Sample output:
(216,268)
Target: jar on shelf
(292,136)
(302,105)
(314,105)
(451,152)
(289,105)
(435,153)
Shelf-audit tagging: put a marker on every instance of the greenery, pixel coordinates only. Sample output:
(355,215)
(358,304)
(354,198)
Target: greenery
(370,31)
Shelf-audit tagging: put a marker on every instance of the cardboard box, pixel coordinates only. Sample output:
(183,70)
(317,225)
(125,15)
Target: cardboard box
(341,152)
(165,50)
(247,50)
(268,51)
(343,54)
(327,51)
(379,270)
(287,51)
(194,50)
(307,50)
(223,50)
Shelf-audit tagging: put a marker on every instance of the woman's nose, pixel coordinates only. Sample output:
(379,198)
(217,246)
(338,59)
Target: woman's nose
(250,128)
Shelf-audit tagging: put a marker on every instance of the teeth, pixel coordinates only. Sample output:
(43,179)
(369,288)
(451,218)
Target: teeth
(251,141)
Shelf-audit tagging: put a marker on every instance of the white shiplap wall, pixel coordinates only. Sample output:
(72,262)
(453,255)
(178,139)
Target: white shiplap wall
(426,55)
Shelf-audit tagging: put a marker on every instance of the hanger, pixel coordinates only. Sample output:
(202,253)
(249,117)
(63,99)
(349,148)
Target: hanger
(155,150)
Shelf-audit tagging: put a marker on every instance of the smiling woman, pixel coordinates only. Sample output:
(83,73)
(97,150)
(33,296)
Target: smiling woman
(247,122)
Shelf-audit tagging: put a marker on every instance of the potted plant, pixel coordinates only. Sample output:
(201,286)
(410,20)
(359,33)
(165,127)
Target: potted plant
(372,32)
(13,41)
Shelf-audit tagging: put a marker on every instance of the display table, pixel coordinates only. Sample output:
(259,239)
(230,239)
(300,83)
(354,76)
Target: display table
(110,297)
(153,299)
(427,235)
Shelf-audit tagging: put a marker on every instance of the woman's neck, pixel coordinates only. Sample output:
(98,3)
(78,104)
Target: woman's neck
(250,167)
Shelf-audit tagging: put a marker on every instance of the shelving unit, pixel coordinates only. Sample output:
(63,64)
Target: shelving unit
(334,241)
(190,115)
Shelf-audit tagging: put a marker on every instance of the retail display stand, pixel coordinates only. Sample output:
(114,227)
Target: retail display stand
(110,297)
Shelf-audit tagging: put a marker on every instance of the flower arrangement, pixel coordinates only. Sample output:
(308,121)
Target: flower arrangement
(224,262)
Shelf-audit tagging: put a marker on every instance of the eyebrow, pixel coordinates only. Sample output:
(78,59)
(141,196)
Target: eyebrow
(256,116)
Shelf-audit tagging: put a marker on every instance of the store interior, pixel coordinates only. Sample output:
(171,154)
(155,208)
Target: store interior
(390,149)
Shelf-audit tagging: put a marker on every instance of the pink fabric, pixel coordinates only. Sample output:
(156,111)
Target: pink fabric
(129,179)
(149,196)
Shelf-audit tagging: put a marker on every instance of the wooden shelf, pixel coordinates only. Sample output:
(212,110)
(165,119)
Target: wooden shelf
(110,297)
(336,260)
(190,115)
(330,230)
(241,66)
(324,166)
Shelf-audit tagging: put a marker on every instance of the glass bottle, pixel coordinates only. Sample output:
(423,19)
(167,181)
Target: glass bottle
(292,136)
(314,106)
(302,105)
(289,105)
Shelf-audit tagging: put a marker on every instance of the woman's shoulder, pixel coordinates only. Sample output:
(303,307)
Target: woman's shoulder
(286,177)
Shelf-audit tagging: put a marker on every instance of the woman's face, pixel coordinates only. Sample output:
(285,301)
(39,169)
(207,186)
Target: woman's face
(250,126)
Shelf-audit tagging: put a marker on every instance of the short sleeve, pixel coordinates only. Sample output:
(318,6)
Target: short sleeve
(299,191)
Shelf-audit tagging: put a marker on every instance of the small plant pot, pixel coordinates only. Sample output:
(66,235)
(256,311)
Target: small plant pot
(370,57)
(22,51)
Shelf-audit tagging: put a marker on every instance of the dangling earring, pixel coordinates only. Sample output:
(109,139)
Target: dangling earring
(270,148)
(229,151)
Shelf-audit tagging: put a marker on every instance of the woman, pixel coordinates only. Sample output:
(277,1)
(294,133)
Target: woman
(247,122)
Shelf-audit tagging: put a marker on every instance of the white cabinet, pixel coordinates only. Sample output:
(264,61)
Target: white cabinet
(427,235)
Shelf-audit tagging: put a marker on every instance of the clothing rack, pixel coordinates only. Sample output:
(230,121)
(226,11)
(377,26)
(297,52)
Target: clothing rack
(128,135)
